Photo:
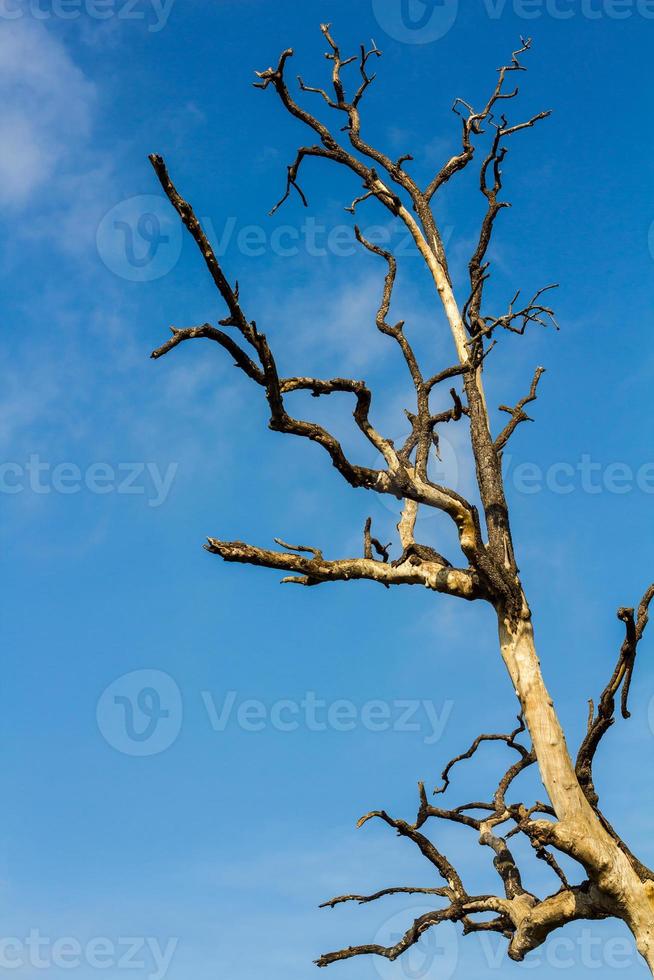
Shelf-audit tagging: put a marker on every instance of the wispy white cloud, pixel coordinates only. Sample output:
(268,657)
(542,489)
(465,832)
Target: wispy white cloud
(48,109)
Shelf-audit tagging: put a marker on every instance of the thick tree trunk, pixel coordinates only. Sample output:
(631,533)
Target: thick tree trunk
(556,766)
(578,831)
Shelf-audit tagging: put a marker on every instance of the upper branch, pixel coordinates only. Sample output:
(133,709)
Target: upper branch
(395,331)
(518,413)
(510,740)
(490,183)
(473,122)
(398,479)
(406,474)
(330,148)
(533,312)
(367,169)
(265,374)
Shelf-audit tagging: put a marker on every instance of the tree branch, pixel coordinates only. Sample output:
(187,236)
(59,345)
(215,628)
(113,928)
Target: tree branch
(473,122)
(600,722)
(431,574)
(510,740)
(572,824)
(518,413)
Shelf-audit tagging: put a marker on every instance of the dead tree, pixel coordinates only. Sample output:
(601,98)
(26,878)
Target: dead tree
(615,883)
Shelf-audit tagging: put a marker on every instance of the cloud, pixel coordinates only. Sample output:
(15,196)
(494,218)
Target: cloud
(48,110)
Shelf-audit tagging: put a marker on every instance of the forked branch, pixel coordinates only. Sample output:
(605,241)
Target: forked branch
(524,919)
(600,721)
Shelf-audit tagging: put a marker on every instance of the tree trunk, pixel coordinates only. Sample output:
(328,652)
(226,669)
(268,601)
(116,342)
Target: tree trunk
(556,767)
(640,919)
(578,831)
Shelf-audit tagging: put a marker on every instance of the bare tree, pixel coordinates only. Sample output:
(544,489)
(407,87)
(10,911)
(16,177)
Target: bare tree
(615,883)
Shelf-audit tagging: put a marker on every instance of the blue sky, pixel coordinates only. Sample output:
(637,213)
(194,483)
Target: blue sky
(215,841)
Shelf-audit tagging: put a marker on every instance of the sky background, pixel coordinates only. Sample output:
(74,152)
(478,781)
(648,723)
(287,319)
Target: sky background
(193,829)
